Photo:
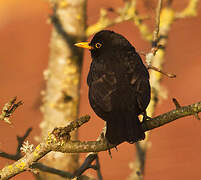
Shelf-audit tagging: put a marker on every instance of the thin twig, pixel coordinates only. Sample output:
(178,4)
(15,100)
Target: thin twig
(39,166)
(86,164)
(9,109)
(189,11)
(59,133)
(161,71)
(99,175)
(176,103)
(126,13)
(157,24)
(171,116)
(154,49)
(53,144)
(141,147)
(90,158)
(22,139)
(44,168)
(17,155)
(150,66)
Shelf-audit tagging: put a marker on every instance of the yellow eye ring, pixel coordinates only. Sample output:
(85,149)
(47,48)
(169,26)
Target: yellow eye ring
(98,45)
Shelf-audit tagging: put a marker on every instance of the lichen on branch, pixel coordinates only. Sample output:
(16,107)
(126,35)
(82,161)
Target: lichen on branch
(8,109)
(53,143)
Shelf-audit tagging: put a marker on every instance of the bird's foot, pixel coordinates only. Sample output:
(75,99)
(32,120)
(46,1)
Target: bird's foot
(109,150)
(145,117)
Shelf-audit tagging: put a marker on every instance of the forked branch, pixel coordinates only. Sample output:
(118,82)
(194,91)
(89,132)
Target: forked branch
(57,142)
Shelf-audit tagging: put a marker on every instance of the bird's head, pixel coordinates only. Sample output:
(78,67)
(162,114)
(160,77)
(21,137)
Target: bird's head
(106,42)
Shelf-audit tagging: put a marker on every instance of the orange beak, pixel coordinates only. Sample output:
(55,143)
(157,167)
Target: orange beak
(84,45)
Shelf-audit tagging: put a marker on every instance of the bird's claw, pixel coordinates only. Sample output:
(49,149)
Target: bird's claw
(109,150)
(145,117)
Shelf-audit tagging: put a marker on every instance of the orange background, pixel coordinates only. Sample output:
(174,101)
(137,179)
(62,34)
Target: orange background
(174,151)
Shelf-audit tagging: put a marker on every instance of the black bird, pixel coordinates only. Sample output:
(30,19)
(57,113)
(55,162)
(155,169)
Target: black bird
(119,88)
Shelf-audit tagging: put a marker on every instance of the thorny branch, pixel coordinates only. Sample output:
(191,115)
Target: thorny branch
(55,142)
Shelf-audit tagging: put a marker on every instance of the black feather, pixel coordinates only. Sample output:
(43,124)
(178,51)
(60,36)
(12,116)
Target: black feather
(119,88)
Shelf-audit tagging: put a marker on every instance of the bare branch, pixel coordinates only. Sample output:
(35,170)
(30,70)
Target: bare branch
(126,13)
(90,158)
(39,166)
(52,143)
(155,39)
(9,109)
(171,116)
(86,164)
(18,155)
(98,170)
(157,23)
(189,11)
(44,168)
(153,60)
(176,103)
(178,106)
(161,71)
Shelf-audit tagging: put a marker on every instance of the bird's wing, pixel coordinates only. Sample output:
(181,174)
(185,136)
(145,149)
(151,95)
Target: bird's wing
(140,83)
(143,91)
(101,91)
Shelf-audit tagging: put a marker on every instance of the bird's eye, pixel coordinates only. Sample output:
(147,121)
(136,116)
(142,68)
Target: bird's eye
(98,45)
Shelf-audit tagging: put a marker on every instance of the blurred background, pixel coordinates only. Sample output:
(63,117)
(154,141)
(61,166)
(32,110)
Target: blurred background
(174,151)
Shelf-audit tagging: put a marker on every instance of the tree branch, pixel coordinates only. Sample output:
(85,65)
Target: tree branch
(86,164)
(189,11)
(62,93)
(126,13)
(155,60)
(17,155)
(44,168)
(157,23)
(38,166)
(9,109)
(59,144)
(171,116)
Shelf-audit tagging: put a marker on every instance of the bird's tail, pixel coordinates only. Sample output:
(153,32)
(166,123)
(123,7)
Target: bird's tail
(126,128)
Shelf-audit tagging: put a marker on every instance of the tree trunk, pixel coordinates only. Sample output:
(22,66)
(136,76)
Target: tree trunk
(61,97)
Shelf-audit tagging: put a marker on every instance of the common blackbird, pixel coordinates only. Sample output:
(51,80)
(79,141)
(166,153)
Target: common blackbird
(119,88)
